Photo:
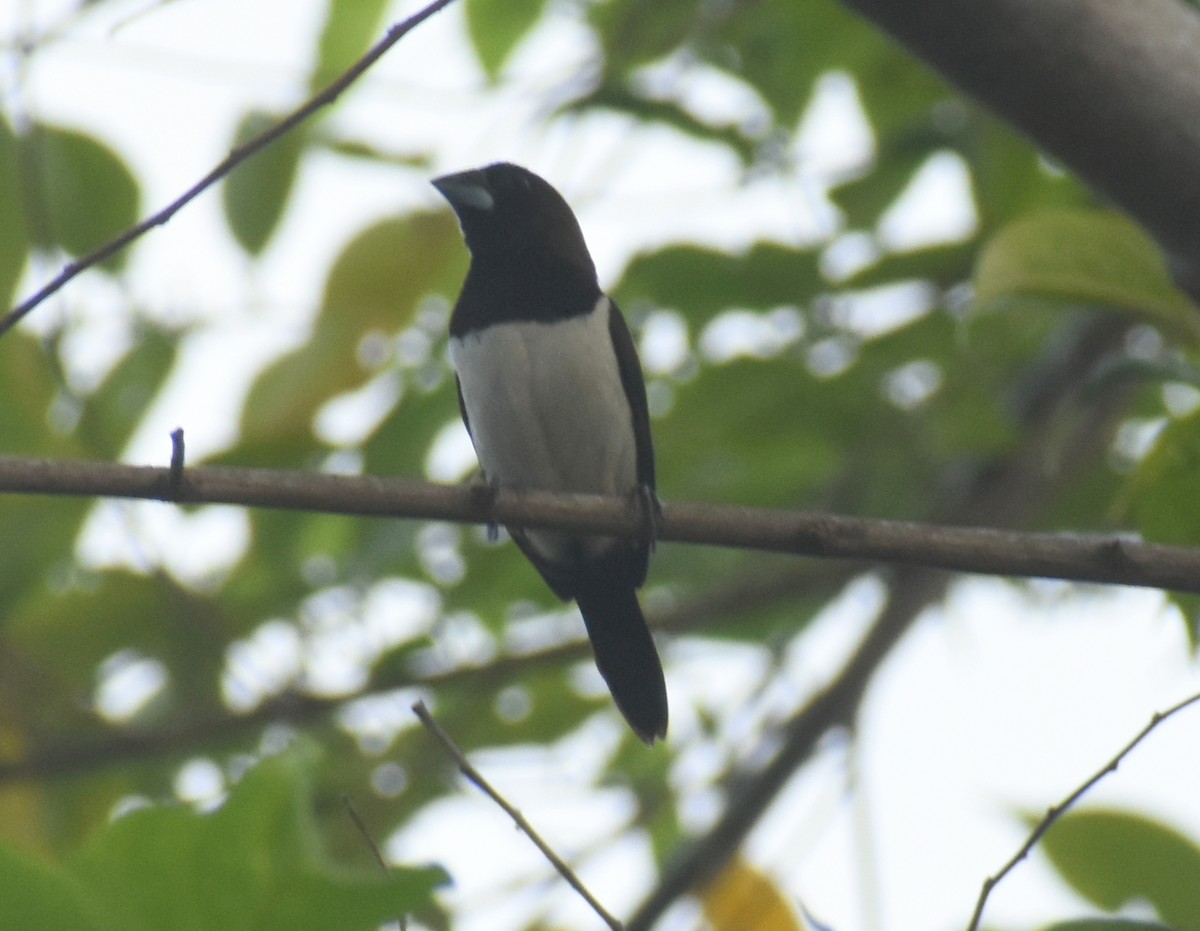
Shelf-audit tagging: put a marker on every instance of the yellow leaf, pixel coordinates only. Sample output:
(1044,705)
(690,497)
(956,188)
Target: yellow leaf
(743,898)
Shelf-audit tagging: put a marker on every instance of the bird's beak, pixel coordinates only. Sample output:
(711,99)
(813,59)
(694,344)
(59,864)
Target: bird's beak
(466,189)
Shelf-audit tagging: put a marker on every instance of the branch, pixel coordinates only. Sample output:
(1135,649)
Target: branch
(1109,559)
(231,161)
(1057,811)
(373,845)
(697,613)
(1007,490)
(465,767)
(1109,89)
(833,706)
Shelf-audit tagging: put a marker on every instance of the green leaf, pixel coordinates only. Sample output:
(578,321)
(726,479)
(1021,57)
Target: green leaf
(1112,858)
(781,49)
(350,28)
(379,279)
(401,444)
(114,410)
(255,864)
(35,896)
(361,148)
(899,93)
(635,33)
(497,26)
(863,200)
(754,433)
(1161,492)
(29,388)
(702,282)
(69,633)
(1009,177)
(1090,257)
(36,533)
(1189,610)
(376,285)
(548,707)
(944,264)
(256,192)
(1107,924)
(84,191)
(14,233)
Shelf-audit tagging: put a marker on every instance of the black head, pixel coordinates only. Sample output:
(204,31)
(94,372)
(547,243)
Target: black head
(508,214)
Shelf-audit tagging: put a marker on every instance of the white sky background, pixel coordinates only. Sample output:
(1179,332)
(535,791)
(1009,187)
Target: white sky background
(1003,699)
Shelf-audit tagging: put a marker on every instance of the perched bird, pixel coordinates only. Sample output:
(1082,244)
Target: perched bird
(551,392)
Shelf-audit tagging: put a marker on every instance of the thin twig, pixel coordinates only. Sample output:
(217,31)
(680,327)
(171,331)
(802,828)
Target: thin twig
(1111,559)
(366,834)
(348,804)
(472,774)
(231,161)
(1057,811)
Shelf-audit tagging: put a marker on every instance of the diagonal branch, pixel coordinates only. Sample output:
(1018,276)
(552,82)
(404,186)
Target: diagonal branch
(231,161)
(834,706)
(1054,812)
(467,769)
(1111,559)
(1008,491)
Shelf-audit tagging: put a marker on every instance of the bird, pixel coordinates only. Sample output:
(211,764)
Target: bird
(553,397)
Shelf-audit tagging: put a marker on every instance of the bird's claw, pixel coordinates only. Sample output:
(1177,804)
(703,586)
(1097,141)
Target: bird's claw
(652,514)
(484,494)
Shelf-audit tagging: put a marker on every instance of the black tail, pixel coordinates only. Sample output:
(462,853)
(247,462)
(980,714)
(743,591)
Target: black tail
(625,653)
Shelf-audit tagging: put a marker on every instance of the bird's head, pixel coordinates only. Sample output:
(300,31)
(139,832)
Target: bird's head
(507,214)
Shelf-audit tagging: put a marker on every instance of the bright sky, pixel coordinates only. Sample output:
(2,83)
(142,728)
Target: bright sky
(1001,701)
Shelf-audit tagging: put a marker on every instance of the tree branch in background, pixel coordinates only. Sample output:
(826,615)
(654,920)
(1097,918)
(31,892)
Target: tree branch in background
(1057,811)
(751,794)
(1110,89)
(231,161)
(1008,491)
(473,775)
(749,593)
(1109,559)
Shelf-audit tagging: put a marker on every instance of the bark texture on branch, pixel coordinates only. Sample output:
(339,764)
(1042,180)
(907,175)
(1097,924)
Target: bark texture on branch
(1104,558)
(1111,89)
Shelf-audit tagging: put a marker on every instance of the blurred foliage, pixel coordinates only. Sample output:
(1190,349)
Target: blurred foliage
(350,28)
(1114,858)
(496,28)
(743,898)
(256,863)
(78,193)
(1084,257)
(880,391)
(1106,924)
(14,232)
(256,192)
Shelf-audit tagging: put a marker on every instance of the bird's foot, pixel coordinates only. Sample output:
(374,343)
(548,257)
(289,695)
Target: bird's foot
(652,514)
(484,494)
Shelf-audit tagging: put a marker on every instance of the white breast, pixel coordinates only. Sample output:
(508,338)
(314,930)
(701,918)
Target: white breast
(546,406)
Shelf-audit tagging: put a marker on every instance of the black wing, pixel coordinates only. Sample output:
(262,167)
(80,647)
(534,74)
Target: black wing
(635,390)
(462,405)
(634,384)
